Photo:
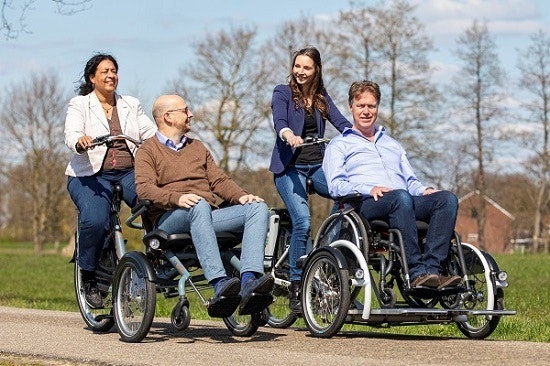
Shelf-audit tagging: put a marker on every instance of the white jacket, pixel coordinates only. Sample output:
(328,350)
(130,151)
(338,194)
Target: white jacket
(85,116)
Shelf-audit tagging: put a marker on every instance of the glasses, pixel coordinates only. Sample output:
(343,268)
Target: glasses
(184,110)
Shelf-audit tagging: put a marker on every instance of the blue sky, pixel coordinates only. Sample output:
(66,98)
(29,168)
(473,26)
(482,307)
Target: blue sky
(150,39)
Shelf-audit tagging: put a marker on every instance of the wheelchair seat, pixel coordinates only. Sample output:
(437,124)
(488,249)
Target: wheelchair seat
(354,200)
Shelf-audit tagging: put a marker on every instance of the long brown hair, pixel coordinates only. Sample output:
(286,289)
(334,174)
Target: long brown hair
(317,89)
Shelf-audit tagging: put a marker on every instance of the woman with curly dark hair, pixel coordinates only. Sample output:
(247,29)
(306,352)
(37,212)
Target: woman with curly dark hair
(98,110)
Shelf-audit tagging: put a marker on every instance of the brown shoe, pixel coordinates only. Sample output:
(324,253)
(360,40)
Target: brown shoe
(448,281)
(426,280)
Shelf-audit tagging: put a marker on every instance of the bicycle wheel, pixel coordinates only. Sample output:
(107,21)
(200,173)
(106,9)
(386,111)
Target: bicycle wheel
(241,325)
(98,320)
(134,297)
(325,294)
(482,294)
(280,315)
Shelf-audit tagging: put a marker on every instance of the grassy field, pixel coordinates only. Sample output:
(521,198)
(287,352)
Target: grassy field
(46,282)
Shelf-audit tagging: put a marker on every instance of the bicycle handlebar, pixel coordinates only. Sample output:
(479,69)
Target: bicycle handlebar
(313,141)
(108,139)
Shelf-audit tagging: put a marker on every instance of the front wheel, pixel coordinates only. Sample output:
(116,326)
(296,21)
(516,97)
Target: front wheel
(481,294)
(134,297)
(325,294)
(181,316)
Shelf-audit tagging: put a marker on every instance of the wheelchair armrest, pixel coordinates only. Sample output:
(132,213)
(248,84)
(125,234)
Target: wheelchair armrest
(137,211)
(350,198)
(141,205)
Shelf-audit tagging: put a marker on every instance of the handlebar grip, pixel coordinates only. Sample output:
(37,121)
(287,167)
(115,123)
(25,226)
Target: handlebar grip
(100,139)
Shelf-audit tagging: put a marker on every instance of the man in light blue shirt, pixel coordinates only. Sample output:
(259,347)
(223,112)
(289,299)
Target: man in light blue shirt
(365,160)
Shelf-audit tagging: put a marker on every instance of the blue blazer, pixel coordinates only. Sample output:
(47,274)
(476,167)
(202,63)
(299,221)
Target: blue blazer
(285,114)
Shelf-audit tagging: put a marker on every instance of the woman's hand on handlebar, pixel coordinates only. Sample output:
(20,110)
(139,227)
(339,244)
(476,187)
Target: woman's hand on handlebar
(291,139)
(84,143)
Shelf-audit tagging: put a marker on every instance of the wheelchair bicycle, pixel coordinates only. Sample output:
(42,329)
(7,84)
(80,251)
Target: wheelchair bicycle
(168,266)
(357,274)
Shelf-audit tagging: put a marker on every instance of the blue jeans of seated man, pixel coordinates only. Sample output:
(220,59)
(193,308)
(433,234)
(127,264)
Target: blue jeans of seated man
(291,185)
(92,196)
(203,222)
(438,209)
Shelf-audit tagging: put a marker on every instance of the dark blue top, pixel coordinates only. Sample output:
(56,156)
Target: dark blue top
(285,114)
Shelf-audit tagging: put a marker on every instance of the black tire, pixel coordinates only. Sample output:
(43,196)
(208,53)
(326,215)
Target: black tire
(325,294)
(482,296)
(280,315)
(134,296)
(180,317)
(241,325)
(98,320)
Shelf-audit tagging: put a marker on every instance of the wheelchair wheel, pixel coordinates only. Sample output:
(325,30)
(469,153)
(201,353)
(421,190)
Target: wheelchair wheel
(180,316)
(280,315)
(482,294)
(325,294)
(241,325)
(134,297)
(339,227)
(98,320)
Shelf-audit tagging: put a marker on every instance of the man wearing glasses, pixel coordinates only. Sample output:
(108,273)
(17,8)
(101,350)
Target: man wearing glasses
(179,176)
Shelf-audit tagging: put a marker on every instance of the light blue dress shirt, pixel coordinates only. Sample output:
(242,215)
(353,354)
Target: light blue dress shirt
(353,164)
(169,143)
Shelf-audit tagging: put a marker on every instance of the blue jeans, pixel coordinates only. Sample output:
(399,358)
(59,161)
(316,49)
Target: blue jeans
(438,209)
(92,196)
(203,222)
(291,185)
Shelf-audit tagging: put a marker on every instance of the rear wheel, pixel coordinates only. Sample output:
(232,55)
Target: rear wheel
(134,297)
(241,325)
(280,315)
(98,320)
(325,295)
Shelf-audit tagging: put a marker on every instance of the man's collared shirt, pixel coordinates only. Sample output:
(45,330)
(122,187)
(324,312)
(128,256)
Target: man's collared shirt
(353,164)
(169,143)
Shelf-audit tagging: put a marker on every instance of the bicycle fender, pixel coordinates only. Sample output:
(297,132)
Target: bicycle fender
(142,259)
(335,253)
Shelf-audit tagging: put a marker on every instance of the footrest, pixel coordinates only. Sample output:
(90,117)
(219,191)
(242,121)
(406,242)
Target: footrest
(223,307)
(423,291)
(255,303)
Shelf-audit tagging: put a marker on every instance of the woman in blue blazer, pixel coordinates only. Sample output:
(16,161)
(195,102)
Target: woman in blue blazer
(300,109)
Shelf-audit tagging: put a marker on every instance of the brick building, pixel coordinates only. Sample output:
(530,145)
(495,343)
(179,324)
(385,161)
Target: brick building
(498,223)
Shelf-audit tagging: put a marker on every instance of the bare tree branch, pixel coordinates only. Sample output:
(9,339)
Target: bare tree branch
(14,13)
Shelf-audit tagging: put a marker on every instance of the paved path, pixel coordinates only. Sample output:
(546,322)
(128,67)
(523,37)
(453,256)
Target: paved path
(61,338)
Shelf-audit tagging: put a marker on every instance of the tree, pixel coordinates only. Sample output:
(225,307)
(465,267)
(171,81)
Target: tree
(225,89)
(13,14)
(478,91)
(30,120)
(387,43)
(534,65)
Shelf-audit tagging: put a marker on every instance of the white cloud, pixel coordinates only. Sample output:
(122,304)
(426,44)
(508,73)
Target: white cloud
(452,17)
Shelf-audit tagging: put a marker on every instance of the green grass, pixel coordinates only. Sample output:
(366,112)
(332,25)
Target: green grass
(46,282)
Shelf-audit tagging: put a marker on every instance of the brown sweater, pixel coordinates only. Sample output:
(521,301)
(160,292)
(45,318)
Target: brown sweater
(163,175)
